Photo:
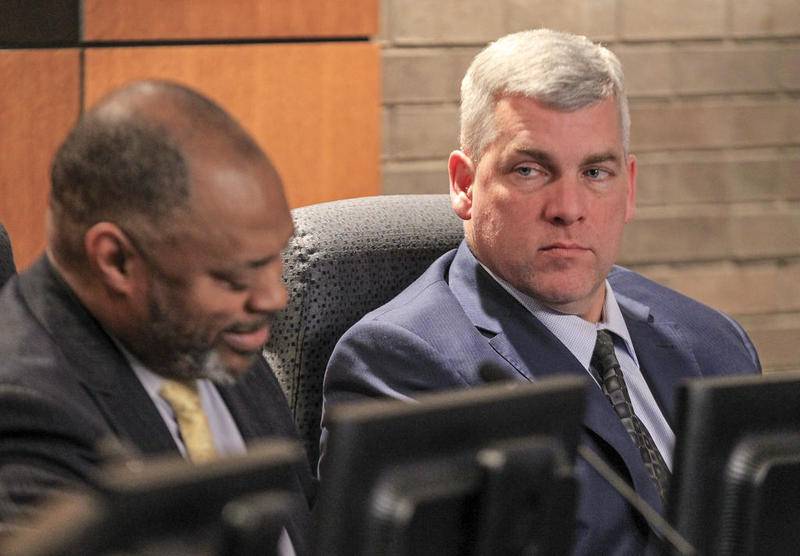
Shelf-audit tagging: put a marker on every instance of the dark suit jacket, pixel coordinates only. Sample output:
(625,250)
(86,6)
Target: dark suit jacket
(439,331)
(64,386)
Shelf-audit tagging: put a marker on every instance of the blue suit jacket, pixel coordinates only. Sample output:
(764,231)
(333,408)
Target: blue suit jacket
(438,332)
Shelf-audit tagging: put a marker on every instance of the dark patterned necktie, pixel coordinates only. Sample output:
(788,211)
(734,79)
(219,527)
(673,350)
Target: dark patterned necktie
(604,361)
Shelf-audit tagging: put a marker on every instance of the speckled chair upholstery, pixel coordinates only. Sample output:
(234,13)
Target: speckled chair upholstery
(7,268)
(347,258)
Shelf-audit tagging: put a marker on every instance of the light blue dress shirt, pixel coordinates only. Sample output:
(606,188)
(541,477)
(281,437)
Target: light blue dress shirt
(227,438)
(579,337)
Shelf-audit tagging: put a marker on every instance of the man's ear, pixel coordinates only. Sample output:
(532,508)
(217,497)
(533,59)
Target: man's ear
(111,256)
(630,204)
(462,176)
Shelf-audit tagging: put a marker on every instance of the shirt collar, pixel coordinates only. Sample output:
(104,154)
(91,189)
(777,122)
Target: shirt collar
(577,334)
(151,381)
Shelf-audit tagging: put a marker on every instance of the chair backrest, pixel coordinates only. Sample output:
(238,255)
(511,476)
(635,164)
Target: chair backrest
(345,259)
(7,268)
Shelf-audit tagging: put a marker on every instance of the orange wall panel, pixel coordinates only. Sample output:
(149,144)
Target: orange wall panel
(39,103)
(109,20)
(314,108)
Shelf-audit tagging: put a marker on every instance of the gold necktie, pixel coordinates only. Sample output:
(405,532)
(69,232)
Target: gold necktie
(192,421)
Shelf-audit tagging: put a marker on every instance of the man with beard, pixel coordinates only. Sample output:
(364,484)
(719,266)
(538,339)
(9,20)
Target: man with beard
(163,267)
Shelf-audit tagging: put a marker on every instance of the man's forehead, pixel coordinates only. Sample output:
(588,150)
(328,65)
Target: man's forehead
(223,177)
(509,103)
(233,197)
(523,123)
(227,246)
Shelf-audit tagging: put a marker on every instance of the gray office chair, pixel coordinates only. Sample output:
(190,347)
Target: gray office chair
(345,259)
(7,268)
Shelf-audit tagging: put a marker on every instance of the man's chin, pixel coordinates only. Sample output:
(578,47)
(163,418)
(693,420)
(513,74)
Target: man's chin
(218,367)
(569,301)
(230,364)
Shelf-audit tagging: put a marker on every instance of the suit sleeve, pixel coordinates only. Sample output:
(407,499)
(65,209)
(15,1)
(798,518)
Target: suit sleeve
(379,359)
(746,342)
(44,446)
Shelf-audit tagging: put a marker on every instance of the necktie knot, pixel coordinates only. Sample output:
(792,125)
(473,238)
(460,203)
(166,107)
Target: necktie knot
(195,431)
(603,357)
(183,397)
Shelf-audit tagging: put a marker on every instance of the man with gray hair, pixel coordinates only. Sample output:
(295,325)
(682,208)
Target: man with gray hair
(545,184)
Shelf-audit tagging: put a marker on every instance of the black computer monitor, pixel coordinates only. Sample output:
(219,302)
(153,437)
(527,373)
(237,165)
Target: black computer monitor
(736,486)
(235,505)
(480,471)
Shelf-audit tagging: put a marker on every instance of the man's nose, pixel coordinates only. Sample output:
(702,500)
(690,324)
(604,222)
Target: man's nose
(268,294)
(566,202)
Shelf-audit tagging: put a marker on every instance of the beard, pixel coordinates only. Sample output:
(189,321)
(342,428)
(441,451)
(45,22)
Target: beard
(177,351)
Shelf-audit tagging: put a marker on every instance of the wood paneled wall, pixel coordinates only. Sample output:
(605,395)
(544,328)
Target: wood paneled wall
(300,75)
(119,20)
(40,101)
(312,107)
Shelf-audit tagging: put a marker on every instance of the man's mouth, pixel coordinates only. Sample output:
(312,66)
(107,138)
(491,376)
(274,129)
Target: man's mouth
(565,247)
(247,339)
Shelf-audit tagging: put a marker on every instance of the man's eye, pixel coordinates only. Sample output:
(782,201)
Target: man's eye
(230,283)
(597,173)
(235,286)
(525,171)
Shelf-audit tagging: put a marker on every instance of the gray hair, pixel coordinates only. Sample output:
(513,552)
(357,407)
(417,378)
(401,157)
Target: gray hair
(563,71)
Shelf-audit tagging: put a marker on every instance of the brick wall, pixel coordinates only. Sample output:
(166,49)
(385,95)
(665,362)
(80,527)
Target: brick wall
(715,103)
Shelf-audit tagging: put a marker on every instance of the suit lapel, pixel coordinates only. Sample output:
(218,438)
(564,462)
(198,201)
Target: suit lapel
(535,353)
(237,398)
(131,412)
(260,411)
(513,332)
(665,358)
(549,357)
(257,404)
(95,360)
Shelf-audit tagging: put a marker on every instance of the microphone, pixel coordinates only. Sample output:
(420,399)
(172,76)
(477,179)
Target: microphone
(491,373)
(656,521)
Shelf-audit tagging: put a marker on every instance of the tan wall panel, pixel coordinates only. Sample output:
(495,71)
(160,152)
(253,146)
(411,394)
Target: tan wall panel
(313,107)
(211,19)
(39,102)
